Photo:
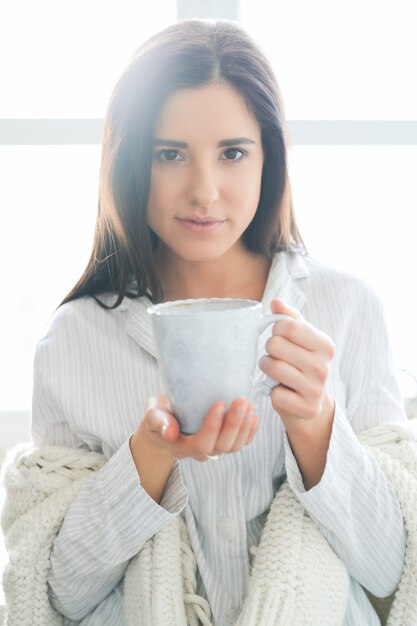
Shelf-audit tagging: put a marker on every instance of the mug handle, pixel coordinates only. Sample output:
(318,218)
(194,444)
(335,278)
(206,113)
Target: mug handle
(265,386)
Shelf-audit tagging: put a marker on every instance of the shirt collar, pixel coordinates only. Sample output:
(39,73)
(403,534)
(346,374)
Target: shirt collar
(286,269)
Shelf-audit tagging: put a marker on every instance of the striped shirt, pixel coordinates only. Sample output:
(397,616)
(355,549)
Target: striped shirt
(94,372)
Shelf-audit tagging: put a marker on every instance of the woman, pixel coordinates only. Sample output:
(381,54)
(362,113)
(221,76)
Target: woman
(195,202)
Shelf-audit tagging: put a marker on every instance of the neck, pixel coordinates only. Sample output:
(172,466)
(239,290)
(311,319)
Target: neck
(238,275)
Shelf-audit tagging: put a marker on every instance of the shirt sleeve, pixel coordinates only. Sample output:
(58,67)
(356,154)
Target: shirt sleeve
(107,523)
(356,509)
(354,504)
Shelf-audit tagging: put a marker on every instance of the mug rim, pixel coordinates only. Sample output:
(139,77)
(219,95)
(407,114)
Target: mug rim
(159,309)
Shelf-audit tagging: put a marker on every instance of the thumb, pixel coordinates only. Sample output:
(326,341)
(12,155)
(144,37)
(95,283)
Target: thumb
(160,418)
(280,306)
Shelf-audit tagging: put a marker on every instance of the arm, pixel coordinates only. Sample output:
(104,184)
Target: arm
(341,485)
(105,526)
(116,509)
(356,509)
(309,443)
(107,523)
(299,357)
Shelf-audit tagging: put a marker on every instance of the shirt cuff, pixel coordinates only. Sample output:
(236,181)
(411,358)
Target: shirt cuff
(175,495)
(120,485)
(342,462)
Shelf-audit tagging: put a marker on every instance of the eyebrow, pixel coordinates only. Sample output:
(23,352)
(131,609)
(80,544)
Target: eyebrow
(222,144)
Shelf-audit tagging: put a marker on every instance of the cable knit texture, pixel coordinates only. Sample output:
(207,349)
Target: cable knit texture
(40,484)
(296,576)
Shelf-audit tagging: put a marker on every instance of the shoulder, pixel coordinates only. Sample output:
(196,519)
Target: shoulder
(79,323)
(333,299)
(337,287)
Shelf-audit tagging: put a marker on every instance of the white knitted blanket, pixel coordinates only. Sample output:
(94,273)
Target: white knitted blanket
(296,577)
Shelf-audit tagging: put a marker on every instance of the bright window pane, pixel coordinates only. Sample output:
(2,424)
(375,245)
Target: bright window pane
(49,201)
(61,59)
(357,209)
(340,60)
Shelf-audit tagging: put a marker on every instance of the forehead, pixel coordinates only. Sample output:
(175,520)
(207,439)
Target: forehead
(214,110)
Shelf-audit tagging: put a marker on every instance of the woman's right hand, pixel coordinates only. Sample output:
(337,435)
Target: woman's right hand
(220,432)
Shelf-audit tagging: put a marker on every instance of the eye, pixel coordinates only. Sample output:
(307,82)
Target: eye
(168,155)
(234,154)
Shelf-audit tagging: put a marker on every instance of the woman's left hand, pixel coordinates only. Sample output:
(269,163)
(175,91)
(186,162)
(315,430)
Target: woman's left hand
(299,357)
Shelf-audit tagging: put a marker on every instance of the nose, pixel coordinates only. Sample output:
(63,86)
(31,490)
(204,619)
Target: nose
(203,188)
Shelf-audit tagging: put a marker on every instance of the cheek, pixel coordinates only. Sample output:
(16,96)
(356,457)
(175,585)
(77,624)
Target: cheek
(163,191)
(246,191)
(154,213)
(161,194)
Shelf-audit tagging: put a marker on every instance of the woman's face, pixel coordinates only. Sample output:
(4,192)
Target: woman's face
(207,165)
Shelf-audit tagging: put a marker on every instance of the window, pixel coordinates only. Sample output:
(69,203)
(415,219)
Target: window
(57,60)
(342,67)
(60,61)
(339,61)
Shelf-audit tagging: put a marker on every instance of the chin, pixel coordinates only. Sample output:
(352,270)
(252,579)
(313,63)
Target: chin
(200,251)
(201,257)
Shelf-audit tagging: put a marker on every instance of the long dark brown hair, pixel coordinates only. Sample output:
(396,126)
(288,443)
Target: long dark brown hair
(189,53)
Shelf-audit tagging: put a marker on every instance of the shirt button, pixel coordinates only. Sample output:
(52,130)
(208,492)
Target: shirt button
(232,616)
(226,528)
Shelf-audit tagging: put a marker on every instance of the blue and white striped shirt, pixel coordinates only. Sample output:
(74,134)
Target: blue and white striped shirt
(94,372)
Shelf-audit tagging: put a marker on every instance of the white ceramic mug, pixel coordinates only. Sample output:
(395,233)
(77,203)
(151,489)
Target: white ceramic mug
(207,351)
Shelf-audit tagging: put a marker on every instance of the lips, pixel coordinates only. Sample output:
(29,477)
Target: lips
(203,227)
(207,219)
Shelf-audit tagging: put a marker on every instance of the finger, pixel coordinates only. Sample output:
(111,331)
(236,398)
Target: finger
(278,347)
(290,403)
(253,430)
(304,334)
(164,401)
(285,373)
(280,306)
(243,434)
(160,421)
(203,442)
(293,331)
(233,422)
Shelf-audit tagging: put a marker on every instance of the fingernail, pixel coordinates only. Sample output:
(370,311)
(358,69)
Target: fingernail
(219,411)
(249,414)
(162,417)
(164,429)
(241,410)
